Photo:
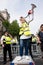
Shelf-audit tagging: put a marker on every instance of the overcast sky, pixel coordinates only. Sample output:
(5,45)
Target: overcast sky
(18,8)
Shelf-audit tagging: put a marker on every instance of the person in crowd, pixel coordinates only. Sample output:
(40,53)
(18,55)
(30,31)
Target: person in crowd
(6,44)
(14,42)
(40,38)
(25,37)
(34,39)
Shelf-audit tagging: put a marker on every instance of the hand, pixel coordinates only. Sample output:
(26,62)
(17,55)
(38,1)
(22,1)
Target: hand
(38,41)
(2,45)
(30,12)
(10,35)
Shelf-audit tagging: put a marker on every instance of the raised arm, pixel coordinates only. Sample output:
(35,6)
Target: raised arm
(32,18)
(31,12)
(10,36)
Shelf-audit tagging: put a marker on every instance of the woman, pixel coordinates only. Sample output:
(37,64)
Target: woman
(25,37)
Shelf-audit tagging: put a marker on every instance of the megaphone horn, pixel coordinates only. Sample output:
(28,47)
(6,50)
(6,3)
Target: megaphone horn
(33,6)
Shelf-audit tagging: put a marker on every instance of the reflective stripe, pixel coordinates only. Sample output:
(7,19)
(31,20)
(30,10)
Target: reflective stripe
(27,33)
(21,31)
(8,42)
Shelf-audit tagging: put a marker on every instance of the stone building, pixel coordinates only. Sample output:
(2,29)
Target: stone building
(4,15)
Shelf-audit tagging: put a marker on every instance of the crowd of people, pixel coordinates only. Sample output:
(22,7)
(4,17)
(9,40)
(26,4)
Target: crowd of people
(26,39)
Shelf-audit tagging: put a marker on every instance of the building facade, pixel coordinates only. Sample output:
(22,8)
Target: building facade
(4,15)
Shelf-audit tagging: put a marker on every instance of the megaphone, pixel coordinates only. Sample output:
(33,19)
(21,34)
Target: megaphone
(31,11)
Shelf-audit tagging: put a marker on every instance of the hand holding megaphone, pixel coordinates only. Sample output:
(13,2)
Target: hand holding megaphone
(31,11)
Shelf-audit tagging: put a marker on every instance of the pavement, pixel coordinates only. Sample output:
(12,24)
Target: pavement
(37,62)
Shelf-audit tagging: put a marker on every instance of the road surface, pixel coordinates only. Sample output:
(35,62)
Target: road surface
(37,62)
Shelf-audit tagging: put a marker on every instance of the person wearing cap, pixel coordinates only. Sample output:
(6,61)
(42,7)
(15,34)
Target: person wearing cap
(6,44)
(25,37)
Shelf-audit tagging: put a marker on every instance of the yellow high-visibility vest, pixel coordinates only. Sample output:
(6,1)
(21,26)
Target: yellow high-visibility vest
(25,29)
(13,41)
(21,31)
(8,40)
(34,39)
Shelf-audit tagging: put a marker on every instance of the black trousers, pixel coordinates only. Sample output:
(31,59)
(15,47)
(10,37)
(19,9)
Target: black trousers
(41,46)
(7,47)
(30,50)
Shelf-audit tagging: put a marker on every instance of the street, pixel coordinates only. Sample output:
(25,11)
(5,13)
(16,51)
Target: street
(37,62)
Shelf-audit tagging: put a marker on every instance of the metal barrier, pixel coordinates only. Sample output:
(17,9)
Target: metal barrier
(1,51)
(36,51)
(15,49)
(1,54)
